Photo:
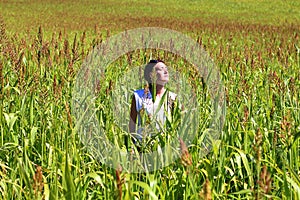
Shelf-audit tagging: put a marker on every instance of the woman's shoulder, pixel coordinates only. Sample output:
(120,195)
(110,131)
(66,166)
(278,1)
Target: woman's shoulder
(139,92)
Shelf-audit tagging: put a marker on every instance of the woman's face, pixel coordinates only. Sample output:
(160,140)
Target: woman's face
(162,74)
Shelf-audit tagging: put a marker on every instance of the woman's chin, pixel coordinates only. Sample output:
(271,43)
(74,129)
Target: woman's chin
(163,82)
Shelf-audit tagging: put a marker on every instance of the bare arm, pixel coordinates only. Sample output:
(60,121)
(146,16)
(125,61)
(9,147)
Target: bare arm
(133,116)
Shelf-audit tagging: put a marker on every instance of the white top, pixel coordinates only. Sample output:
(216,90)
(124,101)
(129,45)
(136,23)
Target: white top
(155,111)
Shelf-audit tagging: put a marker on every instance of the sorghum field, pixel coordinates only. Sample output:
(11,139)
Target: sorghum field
(256,46)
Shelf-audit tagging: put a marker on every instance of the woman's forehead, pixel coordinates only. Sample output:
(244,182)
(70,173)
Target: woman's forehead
(160,64)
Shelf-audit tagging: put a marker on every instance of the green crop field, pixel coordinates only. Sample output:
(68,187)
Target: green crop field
(255,45)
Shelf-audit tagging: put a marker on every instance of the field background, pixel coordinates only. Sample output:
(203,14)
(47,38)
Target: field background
(256,46)
(21,16)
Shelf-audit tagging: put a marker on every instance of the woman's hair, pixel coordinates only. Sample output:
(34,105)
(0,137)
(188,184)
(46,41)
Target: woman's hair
(149,69)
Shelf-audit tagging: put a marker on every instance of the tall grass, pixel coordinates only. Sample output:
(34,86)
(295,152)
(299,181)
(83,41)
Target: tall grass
(257,155)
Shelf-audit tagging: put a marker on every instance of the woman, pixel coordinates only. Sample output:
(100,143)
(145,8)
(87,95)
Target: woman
(154,103)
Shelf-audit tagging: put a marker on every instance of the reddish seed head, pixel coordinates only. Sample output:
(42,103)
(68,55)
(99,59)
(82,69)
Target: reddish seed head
(186,158)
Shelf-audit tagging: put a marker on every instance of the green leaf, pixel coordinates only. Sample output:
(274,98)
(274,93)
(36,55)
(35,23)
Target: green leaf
(246,164)
(70,188)
(10,119)
(296,136)
(146,188)
(242,192)
(96,177)
(33,134)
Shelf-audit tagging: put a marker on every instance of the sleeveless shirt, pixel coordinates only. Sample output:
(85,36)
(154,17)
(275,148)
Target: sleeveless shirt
(154,110)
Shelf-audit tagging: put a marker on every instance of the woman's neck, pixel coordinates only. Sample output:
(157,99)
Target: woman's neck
(160,89)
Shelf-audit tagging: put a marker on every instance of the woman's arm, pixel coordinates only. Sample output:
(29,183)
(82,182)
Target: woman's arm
(133,116)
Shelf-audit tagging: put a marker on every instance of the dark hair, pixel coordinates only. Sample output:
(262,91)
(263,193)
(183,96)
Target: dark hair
(156,61)
(149,68)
